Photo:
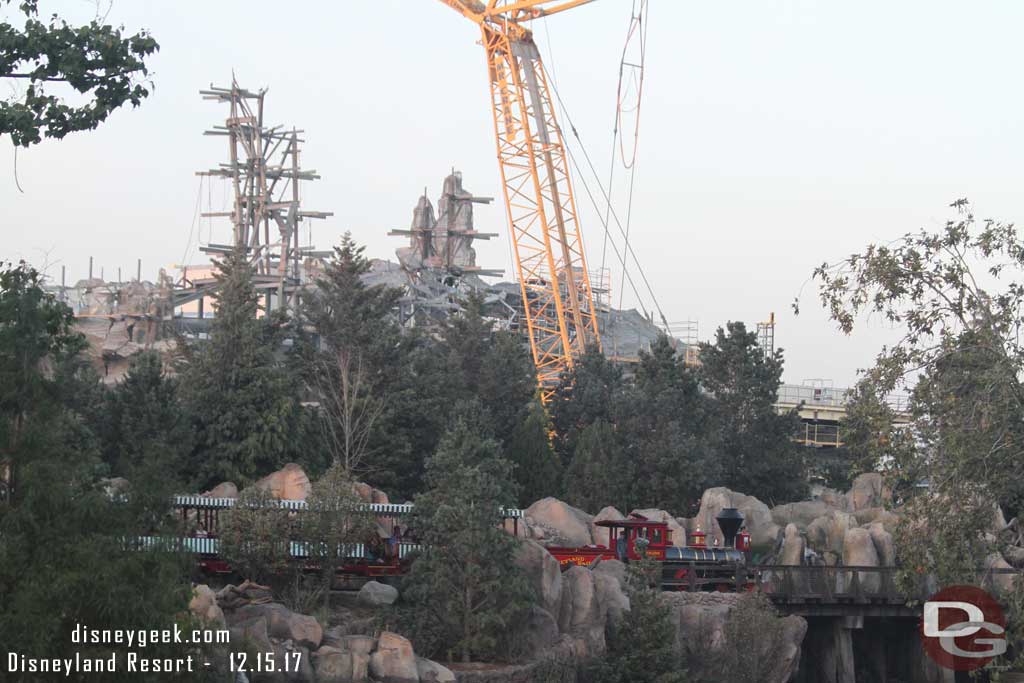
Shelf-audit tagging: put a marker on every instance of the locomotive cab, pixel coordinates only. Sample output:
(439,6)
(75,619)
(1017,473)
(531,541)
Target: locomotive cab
(625,535)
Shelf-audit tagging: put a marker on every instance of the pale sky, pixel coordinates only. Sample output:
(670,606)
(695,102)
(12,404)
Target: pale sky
(774,136)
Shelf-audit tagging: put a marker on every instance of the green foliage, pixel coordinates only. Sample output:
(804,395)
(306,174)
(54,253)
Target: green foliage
(254,537)
(242,402)
(97,61)
(464,588)
(333,523)
(145,423)
(601,472)
(64,560)
(641,643)
(872,440)
(537,469)
(956,295)
(587,394)
(752,649)
(758,452)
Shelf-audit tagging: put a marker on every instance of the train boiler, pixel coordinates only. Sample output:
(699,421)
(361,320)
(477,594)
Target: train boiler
(692,567)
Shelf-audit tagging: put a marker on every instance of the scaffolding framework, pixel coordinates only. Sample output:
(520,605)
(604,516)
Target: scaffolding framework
(265,173)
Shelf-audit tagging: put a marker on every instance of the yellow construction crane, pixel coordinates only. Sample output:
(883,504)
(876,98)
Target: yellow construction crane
(558,303)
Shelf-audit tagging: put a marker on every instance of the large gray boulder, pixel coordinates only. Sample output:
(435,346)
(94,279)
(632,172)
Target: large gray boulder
(678,531)
(553,522)
(609,580)
(600,534)
(867,492)
(826,533)
(581,615)
(883,544)
(801,514)
(792,547)
(764,532)
(432,672)
(700,623)
(394,660)
(288,483)
(543,572)
(859,551)
(376,594)
(282,623)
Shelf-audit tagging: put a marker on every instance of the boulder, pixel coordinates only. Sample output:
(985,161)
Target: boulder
(866,492)
(225,489)
(764,532)
(883,544)
(432,672)
(834,499)
(581,615)
(678,531)
(826,533)
(859,551)
(288,483)
(609,579)
(286,661)
(559,523)
(332,665)
(792,547)
(204,605)
(115,486)
(801,514)
(1003,583)
(543,572)
(600,534)
(250,634)
(787,661)
(284,624)
(394,660)
(537,632)
(376,594)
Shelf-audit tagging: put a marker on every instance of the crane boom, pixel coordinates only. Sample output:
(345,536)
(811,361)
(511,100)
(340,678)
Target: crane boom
(554,282)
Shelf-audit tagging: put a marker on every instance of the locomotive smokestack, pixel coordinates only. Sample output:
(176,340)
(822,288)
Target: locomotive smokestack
(729,521)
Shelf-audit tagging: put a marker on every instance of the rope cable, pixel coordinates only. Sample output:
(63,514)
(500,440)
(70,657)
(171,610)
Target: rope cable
(615,217)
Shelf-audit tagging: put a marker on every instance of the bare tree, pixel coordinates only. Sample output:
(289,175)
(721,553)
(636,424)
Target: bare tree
(348,408)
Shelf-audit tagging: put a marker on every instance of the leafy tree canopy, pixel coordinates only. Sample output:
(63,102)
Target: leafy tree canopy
(98,61)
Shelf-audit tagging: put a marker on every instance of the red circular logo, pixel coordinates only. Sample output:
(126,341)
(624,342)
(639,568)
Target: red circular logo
(962,628)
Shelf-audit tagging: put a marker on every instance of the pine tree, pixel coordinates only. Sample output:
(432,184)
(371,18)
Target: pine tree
(758,451)
(601,472)
(537,469)
(641,643)
(465,588)
(145,421)
(64,559)
(242,402)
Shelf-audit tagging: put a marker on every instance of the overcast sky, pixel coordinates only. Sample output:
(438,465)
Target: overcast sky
(774,136)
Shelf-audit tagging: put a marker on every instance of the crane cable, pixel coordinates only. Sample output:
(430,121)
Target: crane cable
(636,22)
(608,203)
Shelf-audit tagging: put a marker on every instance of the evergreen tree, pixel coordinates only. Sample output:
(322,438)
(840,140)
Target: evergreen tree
(668,433)
(242,402)
(640,644)
(537,469)
(586,394)
(758,452)
(465,588)
(64,560)
(601,472)
(145,422)
(494,367)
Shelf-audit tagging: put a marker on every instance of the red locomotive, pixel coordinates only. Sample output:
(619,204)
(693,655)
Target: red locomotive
(693,567)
